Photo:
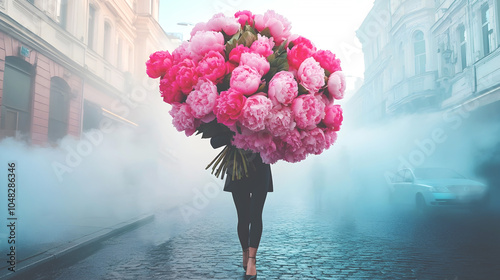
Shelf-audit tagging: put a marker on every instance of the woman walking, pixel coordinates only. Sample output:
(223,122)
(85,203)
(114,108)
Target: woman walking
(249,196)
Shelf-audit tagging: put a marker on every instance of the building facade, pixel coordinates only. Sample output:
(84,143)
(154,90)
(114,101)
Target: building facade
(428,55)
(67,64)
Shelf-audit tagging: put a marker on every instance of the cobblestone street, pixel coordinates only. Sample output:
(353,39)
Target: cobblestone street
(300,242)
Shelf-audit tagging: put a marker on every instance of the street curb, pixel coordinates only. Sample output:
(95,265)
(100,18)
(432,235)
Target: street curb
(33,262)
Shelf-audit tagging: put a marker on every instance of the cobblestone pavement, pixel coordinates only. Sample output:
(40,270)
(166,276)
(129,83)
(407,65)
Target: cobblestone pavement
(301,242)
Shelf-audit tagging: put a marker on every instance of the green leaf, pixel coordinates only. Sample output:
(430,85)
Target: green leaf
(247,38)
(302,90)
(250,29)
(266,32)
(263,87)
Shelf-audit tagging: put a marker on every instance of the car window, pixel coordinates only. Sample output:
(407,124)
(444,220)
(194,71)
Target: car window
(398,178)
(408,177)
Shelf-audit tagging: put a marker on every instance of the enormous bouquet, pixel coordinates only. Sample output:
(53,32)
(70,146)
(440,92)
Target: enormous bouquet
(248,76)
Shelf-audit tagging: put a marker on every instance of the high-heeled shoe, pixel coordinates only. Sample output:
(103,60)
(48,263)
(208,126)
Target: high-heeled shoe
(244,266)
(251,277)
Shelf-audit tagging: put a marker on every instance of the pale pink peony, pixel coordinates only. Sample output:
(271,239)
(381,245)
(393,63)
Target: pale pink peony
(294,150)
(272,156)
(244,17)
(200,26)
(185,75)
(333,117)
(263,46)
(302,50)
(328,61)
(256,61)
(245,79)
(311,75)
(313,141)
(258,142)
(280,121)
(308,111)
(219,22)
(235,54)
(337,85)
(204,41)
(182,52)
(212,67)
(229,106)
(158,64)
(170,91)
(283,88)
(330,136)
(278,25)
(183,119)
(255,112)
(203,99)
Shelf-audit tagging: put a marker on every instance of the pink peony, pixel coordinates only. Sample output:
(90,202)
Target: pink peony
(200,26)
(328,61)
(229,106)
(263,46)
(302,49)
(235,54)
(203,99)
(181,52)
(255,112)
(330,136)
(313,141)
(244,17)
(278,25)
(308,111)
(272,156)
(245,79)
(230,66)
(333,117)
(280,121)
(336,85)
(212,67)
(256,61)
(204,41)
(158,64)
(219,22)
(311,75)
(170,91)
(283,88)
(258,142)
(183,119)
(294,150)
(184,74)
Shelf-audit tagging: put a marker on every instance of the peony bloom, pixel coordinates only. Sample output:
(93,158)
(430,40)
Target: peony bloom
(235,54)
(328,61)
(302,49)
(185,75)
(283,88)
(219,22)
(333,117)
(212,67)
(255,112)
(229,106)
(263,46)
(256,61)
(244,17)
(280,121)
(258,142)
(330,136)
(182,52)
(204,41)
(294,150)
(313,141)
(278,25)
(270,156)
(170,91)
(308,111)
(311,75)
(336,85)
(200,26)
(183,120)
(158,64)
(203,99)
(245,79)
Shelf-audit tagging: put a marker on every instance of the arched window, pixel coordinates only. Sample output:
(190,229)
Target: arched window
(419,47)
(15,116)
(107,41)
(462,40)
(58,108)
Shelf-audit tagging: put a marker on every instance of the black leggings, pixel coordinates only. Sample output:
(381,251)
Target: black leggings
(249,209)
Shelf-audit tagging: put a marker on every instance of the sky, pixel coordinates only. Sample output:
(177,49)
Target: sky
(329,24)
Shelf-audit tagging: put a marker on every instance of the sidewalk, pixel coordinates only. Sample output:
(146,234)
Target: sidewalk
(90,232)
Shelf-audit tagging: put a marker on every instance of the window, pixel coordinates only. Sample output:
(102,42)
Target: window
(92,115)
(119,55)
(107,41)
(91,27)
(62,12)
(58,109)
(419,47)
(487,31)
(16,101)
(462,39)
(402,62)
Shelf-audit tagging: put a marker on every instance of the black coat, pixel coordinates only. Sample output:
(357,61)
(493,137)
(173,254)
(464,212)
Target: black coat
(259,179)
